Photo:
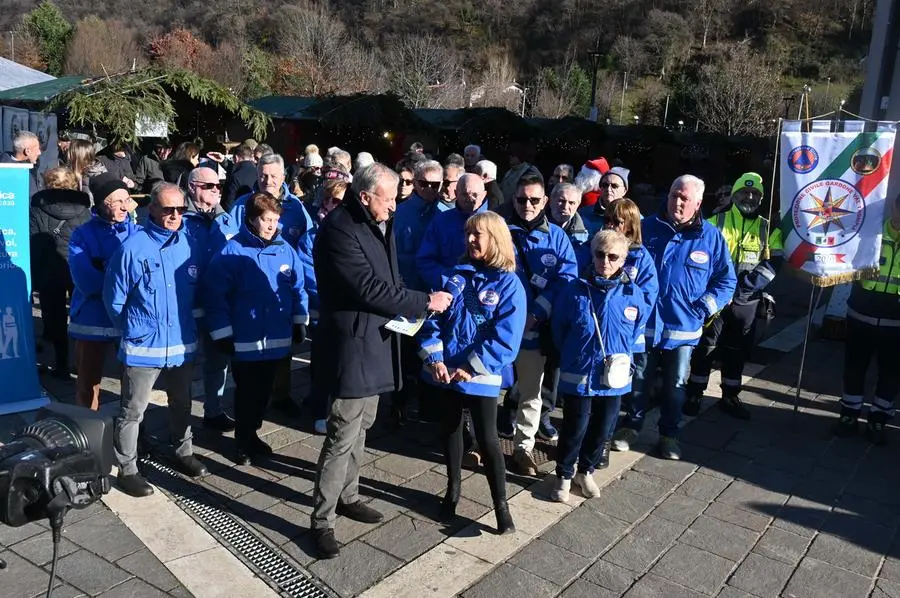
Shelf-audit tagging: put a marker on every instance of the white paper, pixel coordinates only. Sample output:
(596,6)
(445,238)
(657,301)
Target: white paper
(405,326)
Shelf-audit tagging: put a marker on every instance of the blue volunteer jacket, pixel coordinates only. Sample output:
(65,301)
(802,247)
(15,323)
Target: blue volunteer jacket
(482,329)
(411,220)
(91,246)
(253,291)
(593,217)
(210,236)
(696,278)
(297,230)
(443,245)
(621,314)
(149,292)
(641,270)
(549,264)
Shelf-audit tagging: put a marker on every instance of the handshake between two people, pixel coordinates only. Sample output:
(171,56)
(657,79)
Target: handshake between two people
(439,302)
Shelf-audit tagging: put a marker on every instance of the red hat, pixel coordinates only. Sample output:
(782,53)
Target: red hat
(599,164)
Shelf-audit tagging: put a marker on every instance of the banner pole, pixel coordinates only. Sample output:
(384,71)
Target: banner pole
(809,318)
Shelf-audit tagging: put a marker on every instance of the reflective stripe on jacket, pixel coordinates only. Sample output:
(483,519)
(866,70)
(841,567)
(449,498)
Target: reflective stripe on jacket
(876,300)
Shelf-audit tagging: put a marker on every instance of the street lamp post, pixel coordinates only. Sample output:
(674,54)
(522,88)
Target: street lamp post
(594,57)
(637,119)
(680,126)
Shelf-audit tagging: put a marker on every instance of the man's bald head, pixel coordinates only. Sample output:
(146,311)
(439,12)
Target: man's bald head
(204,188)
(470,193)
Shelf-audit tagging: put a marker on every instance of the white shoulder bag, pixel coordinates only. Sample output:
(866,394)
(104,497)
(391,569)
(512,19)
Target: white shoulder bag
(617,366)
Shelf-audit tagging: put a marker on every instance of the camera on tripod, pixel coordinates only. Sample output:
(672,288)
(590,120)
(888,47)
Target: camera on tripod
(60,462)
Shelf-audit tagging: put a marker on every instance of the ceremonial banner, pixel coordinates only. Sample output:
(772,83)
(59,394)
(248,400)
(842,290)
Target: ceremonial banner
(18,371)
(833,188)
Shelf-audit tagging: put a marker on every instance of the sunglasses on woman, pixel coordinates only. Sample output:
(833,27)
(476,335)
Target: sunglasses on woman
(610,257)
(405,182)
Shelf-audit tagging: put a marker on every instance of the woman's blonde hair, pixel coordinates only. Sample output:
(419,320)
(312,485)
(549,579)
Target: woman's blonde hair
(500,254)
(628,213)
(80,156)
(607,239)
(60,178)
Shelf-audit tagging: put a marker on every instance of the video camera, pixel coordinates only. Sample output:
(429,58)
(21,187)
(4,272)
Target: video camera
(60,462)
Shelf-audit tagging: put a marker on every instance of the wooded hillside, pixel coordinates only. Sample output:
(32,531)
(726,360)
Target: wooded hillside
(723,65)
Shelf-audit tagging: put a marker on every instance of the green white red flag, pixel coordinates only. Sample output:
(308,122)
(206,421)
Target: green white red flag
(833,190)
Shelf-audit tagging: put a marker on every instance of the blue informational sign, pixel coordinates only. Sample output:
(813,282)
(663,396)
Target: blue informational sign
(20,389)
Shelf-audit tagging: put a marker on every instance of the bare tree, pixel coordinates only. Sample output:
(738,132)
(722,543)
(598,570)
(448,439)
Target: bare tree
(739,93)
(558,92)
(99,45)
(496,83)
(422,67)
(630,54)
(667,38)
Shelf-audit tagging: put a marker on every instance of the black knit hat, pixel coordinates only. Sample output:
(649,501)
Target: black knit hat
(105,184)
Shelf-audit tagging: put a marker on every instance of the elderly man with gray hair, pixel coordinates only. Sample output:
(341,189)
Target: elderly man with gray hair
(156,272)
(26,150)
(487,170)
(471,156)
(563,212)
(361,291)
(694,266)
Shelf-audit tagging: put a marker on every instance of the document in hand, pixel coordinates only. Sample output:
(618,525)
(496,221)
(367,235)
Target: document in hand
(406,326)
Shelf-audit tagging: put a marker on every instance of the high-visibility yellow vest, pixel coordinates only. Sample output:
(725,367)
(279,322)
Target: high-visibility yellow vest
(888,279)
(748,239)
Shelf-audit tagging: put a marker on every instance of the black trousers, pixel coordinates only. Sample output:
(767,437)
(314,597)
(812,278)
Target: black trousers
(732,333)
(253,387)
(55,316)
(483,412)
(863,343)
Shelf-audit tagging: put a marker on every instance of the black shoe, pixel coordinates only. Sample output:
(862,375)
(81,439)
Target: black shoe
(241,456)
(219,423)
(398,416)
(876,433)
(603,463)
(691,406)
(448,505)
(845,427)
(190,466)
(357,511)
(327,546)
(134,485)
(505,523)
(287,407)
(733,406)
(506,423)
(259,448)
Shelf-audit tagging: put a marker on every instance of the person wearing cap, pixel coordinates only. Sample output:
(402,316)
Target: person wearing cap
(90,249)
(297,230)
(613,185)
(757,253)
(519,168)
(149,292)
(251,143)
(588,180)
(211,227)
(696,282)
(311,180)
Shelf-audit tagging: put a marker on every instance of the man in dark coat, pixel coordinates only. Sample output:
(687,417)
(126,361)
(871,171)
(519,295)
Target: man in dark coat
(360,291)
(242,177)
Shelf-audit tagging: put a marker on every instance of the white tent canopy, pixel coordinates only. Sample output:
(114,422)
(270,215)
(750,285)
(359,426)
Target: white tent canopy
(13,74)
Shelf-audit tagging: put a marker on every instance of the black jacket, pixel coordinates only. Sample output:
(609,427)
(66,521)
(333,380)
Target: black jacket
(494,196)
(240,181)
(55,213)
(176,171)
(119,166)
(360,290)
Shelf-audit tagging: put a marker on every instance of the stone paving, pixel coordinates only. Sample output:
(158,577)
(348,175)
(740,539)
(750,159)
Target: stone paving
(771,507)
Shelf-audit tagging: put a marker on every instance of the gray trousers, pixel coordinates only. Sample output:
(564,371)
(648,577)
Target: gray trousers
(137,383)
(339,461)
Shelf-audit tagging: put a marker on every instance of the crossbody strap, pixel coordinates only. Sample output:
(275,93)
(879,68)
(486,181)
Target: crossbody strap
(596,322)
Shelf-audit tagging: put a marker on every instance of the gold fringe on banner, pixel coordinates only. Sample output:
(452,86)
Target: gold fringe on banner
(830,281)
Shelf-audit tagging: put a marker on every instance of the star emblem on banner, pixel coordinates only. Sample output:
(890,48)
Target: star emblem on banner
(827,211)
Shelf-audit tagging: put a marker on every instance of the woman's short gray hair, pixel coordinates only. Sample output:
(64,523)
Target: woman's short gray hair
(369,177)
(606,239)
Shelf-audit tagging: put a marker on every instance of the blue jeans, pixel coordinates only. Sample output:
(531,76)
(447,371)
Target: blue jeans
(215,369)
(588,422)
(675,367)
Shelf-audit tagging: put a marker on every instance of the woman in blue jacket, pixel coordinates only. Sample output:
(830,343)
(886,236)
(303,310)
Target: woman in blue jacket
(467,349)
(595,324)
(256,307)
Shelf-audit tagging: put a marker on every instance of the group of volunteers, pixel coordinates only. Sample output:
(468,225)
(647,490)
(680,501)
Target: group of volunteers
(533,292)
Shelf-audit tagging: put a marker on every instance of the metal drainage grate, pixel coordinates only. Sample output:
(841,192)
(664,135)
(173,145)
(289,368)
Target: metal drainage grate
(289,579)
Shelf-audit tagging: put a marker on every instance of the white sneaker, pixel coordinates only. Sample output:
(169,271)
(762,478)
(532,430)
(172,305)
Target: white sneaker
(321,426)
(561,490)
(589,488)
